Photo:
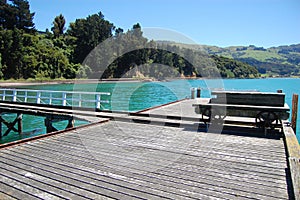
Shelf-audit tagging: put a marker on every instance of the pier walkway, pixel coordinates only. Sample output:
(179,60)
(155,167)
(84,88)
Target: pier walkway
(155,159)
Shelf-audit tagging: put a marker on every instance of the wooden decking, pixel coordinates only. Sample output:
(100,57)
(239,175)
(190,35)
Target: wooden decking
(127,160)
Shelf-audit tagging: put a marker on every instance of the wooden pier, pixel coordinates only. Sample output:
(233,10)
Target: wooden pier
(161,153)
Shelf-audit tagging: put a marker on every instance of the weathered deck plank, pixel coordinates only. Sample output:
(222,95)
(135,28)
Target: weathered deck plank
(199,148)
(207,167)
(213,171)
(10,191)
(6,196)
(74,185)
(182,108)
(188,162)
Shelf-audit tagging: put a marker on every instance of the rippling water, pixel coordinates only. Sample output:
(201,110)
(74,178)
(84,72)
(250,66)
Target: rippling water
(134,96)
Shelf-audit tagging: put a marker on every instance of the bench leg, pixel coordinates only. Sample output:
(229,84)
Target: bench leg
(266,119)
(206,115)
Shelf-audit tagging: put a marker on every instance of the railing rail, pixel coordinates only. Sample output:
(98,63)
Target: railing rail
(49,97)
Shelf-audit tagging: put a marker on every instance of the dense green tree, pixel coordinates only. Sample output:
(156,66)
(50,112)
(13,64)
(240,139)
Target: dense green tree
(16,15)
(11,49)
(1,68)
(137,30)
(230,68)
(58,25)
(89,33)
(7,15)
(119,31)
(24,16)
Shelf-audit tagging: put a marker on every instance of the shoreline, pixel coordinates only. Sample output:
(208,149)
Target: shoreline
(17,83)
(70,81)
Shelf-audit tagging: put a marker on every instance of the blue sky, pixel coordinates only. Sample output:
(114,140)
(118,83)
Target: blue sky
(212,22)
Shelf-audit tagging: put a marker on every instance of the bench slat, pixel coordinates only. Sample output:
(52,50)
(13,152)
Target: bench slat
(245,104)
(246,107)
(244,110)
(249,98)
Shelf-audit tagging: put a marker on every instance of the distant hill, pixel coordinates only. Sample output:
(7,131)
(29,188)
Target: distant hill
(274,61)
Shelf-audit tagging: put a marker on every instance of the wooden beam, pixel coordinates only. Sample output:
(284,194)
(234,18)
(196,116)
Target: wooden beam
(0,128)
(8,124)
(294,112)
(50,119)
(293,153)
(11,126)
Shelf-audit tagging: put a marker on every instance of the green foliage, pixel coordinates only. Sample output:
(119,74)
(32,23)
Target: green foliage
(89,33)
(16,15)
(83,71)
(11,49)
(1,68)
(163,60)
(58,25)
(230,68)
(282,60)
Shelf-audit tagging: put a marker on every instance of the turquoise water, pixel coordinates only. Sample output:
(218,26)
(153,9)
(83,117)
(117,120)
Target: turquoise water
(134,96)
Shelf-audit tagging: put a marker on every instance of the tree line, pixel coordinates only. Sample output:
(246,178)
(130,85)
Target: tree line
(26,53)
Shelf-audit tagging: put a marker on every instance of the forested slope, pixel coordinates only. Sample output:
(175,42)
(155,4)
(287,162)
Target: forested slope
(273,61)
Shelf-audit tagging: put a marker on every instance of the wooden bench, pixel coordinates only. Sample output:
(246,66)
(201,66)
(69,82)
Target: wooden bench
(268,109)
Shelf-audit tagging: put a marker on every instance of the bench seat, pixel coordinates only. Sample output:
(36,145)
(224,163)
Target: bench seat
(244,110)
(249,98)
(267,108)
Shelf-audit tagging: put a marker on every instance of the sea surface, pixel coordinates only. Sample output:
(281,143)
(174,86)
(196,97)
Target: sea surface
(135,96)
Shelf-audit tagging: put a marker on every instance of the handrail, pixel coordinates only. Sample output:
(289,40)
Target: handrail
(51,97)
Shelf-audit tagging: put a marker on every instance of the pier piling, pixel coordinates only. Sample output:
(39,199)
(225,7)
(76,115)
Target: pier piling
(198,92)
(195,93)
(20,124)
(192,93)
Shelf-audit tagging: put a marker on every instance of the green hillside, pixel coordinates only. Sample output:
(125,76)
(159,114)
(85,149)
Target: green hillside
(274,61)
(26,53)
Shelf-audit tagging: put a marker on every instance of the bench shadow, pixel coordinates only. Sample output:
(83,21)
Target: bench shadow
(246,131)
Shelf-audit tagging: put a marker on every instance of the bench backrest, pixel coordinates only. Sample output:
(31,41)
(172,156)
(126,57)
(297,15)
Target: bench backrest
(249,98)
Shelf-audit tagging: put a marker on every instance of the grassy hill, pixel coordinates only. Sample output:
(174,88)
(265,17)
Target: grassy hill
(274,61)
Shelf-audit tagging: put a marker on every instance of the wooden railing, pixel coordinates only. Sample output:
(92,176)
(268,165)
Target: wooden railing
(61,98)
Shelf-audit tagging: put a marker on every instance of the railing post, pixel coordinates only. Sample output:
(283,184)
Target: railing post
(38,97)
(192,93)
(25,97)
(294,112)
(64,96)
(4,93)
(98,101)
(50,98)
(79,101)
(14,95)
